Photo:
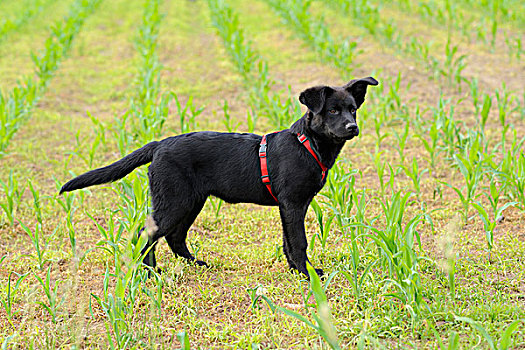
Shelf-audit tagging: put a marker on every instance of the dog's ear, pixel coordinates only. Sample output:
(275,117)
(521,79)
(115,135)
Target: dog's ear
(357,88)
(315,97)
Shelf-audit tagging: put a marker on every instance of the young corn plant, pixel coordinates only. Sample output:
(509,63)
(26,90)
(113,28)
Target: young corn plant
(12,197)
(118,306)
(454,65)
(490,222)
(484,112)
(10,293)
(415,175)
(51,292)
(133,192)
(401,142)
(470,165)
(230,125)
(431,146)
(325,224)
(113,240)
(511,172)
(37,205)
(322,319)
(187,113)
(503,100)
(338,194)
(40,250)
(396,248)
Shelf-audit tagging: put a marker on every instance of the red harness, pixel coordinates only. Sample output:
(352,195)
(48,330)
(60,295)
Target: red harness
(265,177)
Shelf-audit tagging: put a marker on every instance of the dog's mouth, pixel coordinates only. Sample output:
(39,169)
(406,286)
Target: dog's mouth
(347,136)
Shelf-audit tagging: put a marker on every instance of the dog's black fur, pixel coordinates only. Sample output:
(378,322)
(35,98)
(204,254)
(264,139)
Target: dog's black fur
(186,169)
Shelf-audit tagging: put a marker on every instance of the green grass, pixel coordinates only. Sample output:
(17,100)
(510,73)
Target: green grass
(454,285)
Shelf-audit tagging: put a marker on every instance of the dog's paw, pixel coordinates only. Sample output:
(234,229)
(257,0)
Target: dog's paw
(201,263)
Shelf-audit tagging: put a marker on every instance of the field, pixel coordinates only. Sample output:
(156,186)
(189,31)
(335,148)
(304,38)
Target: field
(420,228)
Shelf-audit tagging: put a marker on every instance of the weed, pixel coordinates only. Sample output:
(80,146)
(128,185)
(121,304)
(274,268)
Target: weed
(505,339)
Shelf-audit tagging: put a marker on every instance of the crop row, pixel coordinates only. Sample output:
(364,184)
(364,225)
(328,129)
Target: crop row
(254,71)
(16,106)
(31,8)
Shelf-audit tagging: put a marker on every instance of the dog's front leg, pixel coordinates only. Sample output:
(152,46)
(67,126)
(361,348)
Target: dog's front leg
(294,237)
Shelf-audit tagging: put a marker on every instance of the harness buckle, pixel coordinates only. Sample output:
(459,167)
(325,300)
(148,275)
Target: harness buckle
(262,150)
(302,138)
(265,179)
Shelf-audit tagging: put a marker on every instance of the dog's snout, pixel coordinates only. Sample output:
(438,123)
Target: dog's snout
(352,128)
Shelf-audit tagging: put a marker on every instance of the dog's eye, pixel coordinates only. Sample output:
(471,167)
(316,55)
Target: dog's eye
(333,111)
(352,110)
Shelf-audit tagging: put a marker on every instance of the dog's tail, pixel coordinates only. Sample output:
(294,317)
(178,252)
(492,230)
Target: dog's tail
(114,171)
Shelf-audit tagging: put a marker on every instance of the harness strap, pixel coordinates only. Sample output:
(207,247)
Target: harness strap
(265,177)
(306,143)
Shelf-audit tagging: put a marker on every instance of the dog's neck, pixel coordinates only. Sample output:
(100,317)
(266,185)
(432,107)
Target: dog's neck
(327,149)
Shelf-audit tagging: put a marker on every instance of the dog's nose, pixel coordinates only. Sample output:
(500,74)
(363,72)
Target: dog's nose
(352,128)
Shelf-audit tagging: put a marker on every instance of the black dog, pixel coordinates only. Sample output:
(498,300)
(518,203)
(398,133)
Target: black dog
(186,169)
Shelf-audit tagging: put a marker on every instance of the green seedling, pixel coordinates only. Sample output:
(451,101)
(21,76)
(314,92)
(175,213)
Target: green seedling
(217,204)
(36,202)
(40,250)
(53,300)
(13,196)
(503,99)
(324,226)
(227,121)
(133,192)
(487,103)
(323,323)
(396,246)
(401,142)
(339,194)
(187,114)
(77,256)
(112,237)
(184,340)
(7,301)
(489,222)
(251,120)
(471,167)
(415,174)
(118,306)
(475,93)
(505,339)
(431,146)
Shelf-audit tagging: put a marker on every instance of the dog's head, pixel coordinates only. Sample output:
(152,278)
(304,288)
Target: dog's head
(332,110)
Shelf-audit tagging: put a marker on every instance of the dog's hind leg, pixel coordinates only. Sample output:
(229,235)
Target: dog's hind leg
(177,238)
